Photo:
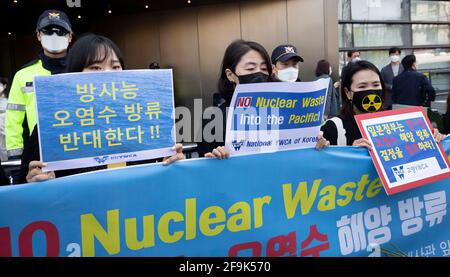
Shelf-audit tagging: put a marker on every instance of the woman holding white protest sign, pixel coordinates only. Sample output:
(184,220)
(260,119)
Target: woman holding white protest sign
(90,53)
(244,62)
(362,91)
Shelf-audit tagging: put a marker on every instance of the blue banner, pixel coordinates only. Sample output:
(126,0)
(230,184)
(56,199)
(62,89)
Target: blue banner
(118,115)
(291,203)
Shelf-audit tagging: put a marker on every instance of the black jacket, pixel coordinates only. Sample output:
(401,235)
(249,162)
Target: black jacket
(412,88)
(352,132)
(221,101)
(3,179)
(447,123)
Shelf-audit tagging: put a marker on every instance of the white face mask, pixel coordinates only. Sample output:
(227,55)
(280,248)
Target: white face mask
(357,59)
(395,58)
(54,43)
(331,71)
(288,75)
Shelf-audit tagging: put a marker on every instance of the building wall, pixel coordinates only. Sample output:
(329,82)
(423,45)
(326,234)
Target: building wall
(192,41)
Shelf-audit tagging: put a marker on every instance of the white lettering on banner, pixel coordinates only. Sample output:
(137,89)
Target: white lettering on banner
(428,251)
(445,247)
(409,211)
(352,230)
(435,207)
(74,250)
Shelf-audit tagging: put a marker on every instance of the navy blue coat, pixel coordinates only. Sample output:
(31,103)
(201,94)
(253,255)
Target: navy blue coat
(412,88)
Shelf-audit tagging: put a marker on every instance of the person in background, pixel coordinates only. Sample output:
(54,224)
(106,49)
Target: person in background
(286,63)
(154,65)
(362,92)
(412,87)
(244,62)
(447,117)
(352,56)
(3,105)
(389,72)
(89,54)
(54,32)
(333,103)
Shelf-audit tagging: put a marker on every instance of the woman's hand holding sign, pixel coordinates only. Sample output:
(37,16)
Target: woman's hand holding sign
(35,173)
(362,142)
(438,136)
(321,142)
(220,153)
(178,148)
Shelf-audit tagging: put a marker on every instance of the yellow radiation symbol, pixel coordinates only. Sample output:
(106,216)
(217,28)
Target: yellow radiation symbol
(372,103)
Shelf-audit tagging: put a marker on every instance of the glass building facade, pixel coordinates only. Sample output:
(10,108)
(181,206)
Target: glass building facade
(417,27)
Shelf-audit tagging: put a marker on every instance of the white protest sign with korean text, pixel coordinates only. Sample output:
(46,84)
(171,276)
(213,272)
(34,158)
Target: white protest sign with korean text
(268,117)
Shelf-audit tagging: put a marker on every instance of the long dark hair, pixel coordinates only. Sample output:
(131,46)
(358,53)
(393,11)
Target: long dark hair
(323,67)
(90,49)
(231,58)
(347,106)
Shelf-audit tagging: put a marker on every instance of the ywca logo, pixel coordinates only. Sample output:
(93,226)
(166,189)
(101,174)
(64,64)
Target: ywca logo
(73,3)
(101,160)
(237,145)
(243,102)
(398,170)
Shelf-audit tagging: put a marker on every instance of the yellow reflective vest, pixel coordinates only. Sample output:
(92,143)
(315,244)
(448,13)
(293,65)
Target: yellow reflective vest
(21,101)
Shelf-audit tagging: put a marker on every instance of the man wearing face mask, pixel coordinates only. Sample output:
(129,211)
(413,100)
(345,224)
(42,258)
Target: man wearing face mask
(389,72)
(286,63)
(54,32)
(353,56)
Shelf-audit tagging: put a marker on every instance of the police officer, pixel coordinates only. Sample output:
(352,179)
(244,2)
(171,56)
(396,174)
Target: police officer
(54,32)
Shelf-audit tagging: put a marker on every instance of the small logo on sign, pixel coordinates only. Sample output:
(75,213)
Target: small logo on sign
(101,160)
(237,145)
(399,172)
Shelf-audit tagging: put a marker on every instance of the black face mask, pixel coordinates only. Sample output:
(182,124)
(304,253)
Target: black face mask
(257,77)
(368,100)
